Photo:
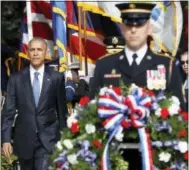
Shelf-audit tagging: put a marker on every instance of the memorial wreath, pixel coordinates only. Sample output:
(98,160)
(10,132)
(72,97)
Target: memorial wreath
(97,129)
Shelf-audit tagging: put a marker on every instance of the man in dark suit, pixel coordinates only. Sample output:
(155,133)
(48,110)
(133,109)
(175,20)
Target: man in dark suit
(37,95)
(137,63)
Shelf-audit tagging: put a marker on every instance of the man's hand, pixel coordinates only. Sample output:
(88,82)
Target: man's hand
(7,149)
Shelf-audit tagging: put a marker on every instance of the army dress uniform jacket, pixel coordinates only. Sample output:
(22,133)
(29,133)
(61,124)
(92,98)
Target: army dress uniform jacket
(113,68)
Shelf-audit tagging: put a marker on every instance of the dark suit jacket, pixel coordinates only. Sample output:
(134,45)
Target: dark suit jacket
(186,96)
(47,119)
(118,64)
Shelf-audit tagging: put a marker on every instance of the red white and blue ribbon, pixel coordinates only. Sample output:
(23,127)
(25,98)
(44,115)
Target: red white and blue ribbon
(119,111)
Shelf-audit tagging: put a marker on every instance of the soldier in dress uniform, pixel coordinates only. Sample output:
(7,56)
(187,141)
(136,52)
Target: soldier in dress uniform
(137,63)
(114,44)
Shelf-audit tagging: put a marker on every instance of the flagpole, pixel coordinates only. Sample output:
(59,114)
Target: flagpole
(70,45)
(19,62)
(80,38)
(85,42)
(29,20)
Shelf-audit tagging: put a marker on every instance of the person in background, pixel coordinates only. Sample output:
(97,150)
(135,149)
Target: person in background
(37,95)
(114,44)
(137,63)
(184,64)
(76,86)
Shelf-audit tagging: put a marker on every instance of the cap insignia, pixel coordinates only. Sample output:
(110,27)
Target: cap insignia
(132,6)
(114,40)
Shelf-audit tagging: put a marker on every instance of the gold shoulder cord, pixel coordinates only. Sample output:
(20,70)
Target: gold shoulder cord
(109,54)
(162,54)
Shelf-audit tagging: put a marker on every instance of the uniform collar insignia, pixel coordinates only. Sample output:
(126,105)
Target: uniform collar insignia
(149,57)
(121,57)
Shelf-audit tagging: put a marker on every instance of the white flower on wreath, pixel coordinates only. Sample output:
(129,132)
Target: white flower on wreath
(175,100)
(133,86)
(93,101)
(71,120)
(173,109)
(68,144)
(182,146)
(158,112)
(72,159)
(164,156)
(90,128)
(59,145)
(119,137)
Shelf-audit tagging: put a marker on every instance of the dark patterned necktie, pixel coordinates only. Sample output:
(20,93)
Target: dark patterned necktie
(134,64)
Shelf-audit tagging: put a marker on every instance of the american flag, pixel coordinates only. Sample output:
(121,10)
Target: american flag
(37,22)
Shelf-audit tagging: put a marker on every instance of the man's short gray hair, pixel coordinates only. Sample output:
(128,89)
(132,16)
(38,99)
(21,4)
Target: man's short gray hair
(38,39)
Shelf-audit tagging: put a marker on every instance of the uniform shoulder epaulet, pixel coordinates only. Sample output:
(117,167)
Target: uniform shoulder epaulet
(162,54)
(109,54)
(106,55)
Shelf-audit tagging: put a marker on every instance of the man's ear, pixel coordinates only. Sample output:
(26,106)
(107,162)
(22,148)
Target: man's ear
(47,53)
(149,28)
(27,53)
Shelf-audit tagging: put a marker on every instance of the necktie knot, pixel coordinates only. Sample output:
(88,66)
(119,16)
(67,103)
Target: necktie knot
(36,74)
(134,56)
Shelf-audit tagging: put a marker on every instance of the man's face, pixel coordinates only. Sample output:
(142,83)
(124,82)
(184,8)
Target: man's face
(37,52)
(136,36)
(75,76)
(184,62)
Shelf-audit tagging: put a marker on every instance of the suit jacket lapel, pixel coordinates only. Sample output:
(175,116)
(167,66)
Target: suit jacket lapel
(45,85)
(29,89)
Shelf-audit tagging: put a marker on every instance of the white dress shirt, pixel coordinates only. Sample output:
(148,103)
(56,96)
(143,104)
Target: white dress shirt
(186,83)
(140,53)
(41,73)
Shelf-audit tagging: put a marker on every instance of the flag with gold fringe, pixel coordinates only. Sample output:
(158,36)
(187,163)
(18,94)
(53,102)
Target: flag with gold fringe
(37,22)
(166,19)
(60,33)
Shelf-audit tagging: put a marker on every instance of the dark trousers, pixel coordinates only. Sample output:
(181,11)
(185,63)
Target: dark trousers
(40,159)
(133,157)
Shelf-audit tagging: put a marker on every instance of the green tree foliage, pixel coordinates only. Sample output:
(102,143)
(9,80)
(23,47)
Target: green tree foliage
(11,17)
